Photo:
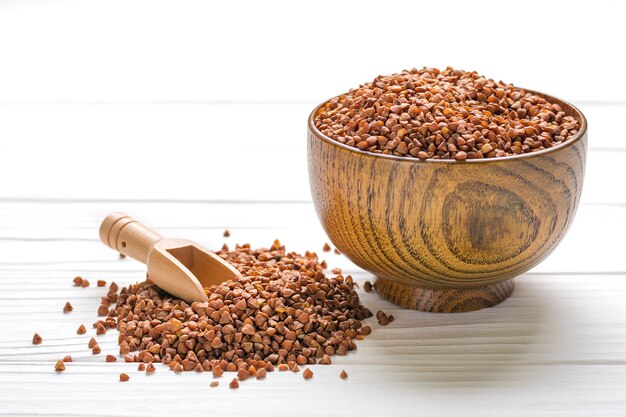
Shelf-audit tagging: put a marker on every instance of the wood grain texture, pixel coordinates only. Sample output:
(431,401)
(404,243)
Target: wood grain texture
(446,224)
(457,300)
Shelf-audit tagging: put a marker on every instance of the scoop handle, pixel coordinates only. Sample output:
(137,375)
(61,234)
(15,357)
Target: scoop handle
(126,235)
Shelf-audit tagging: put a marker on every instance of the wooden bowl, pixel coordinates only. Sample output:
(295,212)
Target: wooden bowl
(445,235)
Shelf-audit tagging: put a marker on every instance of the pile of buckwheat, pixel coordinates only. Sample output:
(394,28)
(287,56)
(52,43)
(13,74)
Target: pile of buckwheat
(449,114)
(285,312)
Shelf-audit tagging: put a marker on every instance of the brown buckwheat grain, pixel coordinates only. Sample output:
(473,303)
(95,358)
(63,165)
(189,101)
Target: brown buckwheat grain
(449,114)
(284,312)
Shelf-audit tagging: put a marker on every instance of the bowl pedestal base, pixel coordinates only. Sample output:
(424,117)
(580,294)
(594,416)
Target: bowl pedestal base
(454,300)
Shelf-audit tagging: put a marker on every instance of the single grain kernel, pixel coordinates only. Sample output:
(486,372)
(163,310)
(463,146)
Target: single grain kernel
(111,358)
(234,384)
(150,369)
(336,251)
(307,374)
(103,310)
(242,374)
(60,366)
(92,343)
(214,384)
(336,270)
(81,329)
(78,281)
(486,148)
(343,374)
(124,377)
(367,286)
(84,283)
(67,358)
(141,367)
(101,283)
(326,247)
(37,339)
(226,233)
(68,307)
(96,350)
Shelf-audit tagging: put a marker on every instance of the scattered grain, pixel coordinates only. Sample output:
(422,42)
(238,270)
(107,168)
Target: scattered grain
(124,377)
(60,366)
(284,310)
(382,318)
(68,307)
(37,339)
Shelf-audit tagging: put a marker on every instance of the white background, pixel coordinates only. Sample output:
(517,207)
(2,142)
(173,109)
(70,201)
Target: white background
(191,116)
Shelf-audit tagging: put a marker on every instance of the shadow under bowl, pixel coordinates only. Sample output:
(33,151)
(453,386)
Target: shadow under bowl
(446,235)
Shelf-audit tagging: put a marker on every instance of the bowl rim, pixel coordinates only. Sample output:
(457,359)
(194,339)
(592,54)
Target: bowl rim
(582,132)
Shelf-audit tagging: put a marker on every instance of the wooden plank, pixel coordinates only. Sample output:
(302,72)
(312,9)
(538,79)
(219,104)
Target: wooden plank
(56,236)
(555,347)
(526,352)
(101,151)
(251,51)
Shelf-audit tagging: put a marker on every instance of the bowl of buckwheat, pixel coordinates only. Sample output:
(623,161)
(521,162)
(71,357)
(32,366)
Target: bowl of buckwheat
(445,184)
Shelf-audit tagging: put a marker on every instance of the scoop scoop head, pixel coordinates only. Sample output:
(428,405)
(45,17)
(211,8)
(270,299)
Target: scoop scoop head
(181,267)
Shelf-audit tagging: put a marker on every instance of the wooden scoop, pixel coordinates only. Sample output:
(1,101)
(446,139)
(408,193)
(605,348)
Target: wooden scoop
(180,267)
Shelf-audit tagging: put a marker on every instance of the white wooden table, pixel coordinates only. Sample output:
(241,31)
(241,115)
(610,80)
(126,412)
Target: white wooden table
(120,105)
